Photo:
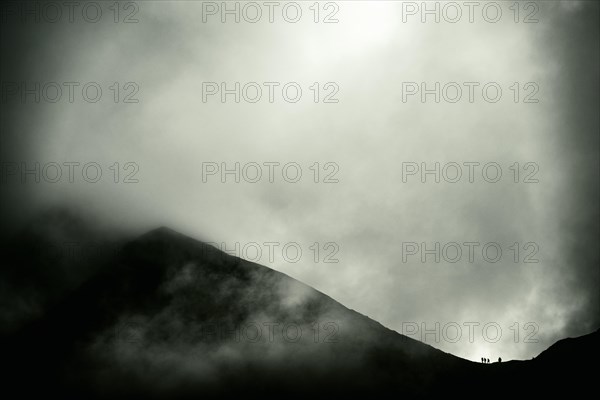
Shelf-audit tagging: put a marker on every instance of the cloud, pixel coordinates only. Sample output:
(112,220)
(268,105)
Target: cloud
(170,133)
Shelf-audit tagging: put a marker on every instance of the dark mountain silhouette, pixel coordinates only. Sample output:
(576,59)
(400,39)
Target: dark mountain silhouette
(170,316)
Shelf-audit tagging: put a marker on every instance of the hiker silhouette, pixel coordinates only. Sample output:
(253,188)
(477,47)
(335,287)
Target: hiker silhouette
(499,359)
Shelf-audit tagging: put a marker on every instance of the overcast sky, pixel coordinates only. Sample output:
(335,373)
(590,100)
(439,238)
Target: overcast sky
(370,217)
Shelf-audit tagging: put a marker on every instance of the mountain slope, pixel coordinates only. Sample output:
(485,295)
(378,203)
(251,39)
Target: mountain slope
(174,316)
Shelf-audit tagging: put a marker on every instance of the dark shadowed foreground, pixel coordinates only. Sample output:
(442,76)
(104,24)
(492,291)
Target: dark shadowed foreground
(168,316)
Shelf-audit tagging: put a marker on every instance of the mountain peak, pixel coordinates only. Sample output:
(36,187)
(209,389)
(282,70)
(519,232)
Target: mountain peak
(162,231)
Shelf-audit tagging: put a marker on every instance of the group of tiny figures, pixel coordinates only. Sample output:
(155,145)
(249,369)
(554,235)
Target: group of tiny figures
(487,360)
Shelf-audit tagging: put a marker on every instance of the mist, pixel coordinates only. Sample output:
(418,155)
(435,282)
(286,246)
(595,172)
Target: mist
(164,147)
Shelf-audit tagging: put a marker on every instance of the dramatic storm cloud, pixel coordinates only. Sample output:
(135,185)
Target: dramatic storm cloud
(170,147)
